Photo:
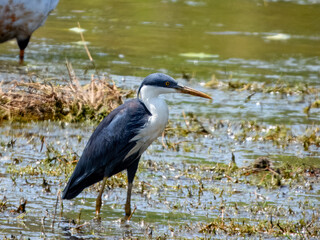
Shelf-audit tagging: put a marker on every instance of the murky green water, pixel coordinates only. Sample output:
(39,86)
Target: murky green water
(272,42)
(130,38)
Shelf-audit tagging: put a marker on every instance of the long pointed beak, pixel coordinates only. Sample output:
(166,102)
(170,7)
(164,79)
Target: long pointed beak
(191,91)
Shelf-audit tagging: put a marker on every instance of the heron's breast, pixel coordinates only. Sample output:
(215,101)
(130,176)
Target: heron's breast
(159,118)
(152,129)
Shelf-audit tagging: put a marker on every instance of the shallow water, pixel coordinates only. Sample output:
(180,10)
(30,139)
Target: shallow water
(166,192)
(249,41)
(201,38)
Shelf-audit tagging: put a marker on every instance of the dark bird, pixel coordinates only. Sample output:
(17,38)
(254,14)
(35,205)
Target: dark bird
(120,139)
(20,18)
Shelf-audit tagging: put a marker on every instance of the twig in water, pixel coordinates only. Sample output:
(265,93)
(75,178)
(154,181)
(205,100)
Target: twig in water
(278,224)
(42,143)
(79,217)
(85,45)
(72,76)
(61,208)
(42,226)
(80,226)
(271,170)
(92,86)
(185,120)
(87,50)
(162,141)
(55,211)
(230,178)
(264,176)
(135,208)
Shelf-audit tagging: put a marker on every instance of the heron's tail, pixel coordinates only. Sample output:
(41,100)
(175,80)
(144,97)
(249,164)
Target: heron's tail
(71,191)
(78,182)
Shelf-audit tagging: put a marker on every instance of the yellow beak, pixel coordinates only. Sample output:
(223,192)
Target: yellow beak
(191,91)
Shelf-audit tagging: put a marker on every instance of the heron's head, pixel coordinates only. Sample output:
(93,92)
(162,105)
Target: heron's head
(159,83)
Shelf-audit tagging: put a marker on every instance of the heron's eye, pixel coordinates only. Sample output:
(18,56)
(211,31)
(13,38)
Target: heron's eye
(167,84)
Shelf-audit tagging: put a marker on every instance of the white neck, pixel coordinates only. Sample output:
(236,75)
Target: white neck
(148,92)
(156,105)
(149,95)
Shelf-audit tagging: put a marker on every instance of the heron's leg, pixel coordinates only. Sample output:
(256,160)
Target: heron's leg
(22,45)
(131,170)
(128,202)
(98,200)
(21,56)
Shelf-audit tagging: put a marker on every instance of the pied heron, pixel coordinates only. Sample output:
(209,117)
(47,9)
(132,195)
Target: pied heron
(121,137)
(20,18)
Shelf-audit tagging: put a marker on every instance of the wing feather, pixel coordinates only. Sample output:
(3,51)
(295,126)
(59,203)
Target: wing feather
(106,151)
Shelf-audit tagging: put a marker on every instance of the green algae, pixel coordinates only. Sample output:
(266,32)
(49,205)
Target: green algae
(196,181)
(245,228)
(280,87)
(279,135)
(231,223)
(314,104)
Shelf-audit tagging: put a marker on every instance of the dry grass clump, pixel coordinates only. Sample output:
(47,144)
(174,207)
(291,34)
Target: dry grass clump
(27,101)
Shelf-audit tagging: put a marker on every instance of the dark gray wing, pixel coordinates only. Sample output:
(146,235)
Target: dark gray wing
(108,146)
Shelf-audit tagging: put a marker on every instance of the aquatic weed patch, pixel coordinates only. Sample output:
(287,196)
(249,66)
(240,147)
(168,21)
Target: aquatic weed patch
(263,228)
(178,190)
(55,164)
(178,133)
(280,87)
(190,197)
(280,135)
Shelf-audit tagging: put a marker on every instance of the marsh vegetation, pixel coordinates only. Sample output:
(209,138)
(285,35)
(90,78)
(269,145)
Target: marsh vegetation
(246,165)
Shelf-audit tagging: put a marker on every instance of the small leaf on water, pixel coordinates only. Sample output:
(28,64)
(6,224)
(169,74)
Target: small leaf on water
(77,30)
(198,55)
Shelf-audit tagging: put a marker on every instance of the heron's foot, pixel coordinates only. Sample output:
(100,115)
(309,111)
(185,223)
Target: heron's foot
(98,213)
(97,218)
(98,206)
(124,219)
(129,214)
